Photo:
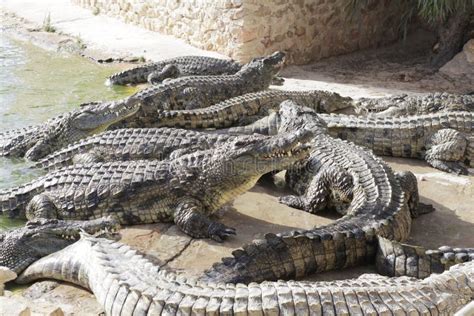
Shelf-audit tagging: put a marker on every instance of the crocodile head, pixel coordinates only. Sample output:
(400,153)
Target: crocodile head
(377,105)
(21,247)
(330,102)
(294,117)
(75,125)
(263,69)
(245,159)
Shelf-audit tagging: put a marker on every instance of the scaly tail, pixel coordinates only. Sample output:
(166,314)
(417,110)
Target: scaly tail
(13,201)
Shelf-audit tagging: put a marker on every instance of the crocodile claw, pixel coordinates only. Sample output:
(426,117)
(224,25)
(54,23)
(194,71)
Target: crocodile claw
(291,201)
(219,232)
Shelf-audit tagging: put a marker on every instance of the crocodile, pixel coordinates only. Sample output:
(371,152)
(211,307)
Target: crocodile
(184,190)
(445,140)
(126,283)
(403,105)
(380,203)
(138,110)
(249,107)
(22,246)
(156,72)
(35,142)
(398,259)
(201,91)
(160,143)
(134,144)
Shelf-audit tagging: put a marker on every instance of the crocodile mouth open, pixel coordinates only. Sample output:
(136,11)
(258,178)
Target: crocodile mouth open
(297,152)
(97,118)
(71,230)
(100,233)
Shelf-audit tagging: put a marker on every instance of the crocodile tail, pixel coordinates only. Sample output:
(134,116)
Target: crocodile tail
(64,260)
(13,201)
(294,256)
(398,259)
(470,151)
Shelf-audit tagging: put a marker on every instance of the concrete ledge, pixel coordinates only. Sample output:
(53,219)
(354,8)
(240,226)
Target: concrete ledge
(103,33)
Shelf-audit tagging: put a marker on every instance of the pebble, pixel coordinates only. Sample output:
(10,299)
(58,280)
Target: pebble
(10,306)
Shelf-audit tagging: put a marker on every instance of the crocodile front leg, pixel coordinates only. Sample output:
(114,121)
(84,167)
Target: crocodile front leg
(41,148)
(447,150)
(41,206)
(191,98)
(190,219)
(332,186)
(168,72)
(278,81)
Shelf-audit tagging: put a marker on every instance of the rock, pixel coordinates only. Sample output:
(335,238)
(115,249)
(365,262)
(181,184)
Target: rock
(55,312)
(6,275)
(39,288)
(10,306)
(462,63)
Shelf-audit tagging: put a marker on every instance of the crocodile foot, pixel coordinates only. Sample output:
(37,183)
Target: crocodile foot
(219,232)
(448,166)
(423,208)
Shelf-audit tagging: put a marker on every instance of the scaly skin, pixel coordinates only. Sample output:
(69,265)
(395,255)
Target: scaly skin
(249,107)
(445,140)
(134,144)
(173,68)
(185,190)
(125,283)
(403,105)
(199,91)
(378,206)
(396,259)
(22,246)
(35,142)
(202,91)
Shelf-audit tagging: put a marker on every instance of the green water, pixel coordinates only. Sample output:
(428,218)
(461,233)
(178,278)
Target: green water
(35,85)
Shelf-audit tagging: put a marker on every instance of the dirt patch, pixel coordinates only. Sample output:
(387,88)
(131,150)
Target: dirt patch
(399,68)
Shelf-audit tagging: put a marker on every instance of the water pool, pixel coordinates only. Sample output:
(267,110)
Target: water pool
(36,84)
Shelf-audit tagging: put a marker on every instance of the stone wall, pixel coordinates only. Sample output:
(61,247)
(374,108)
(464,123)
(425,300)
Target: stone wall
(307,30)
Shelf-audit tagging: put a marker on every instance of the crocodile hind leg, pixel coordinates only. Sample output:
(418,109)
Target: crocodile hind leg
(447,151)
(189,218)
(331,186)
(41,206)
(168,72)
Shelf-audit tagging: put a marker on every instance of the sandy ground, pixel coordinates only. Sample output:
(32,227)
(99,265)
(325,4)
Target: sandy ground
(379,72)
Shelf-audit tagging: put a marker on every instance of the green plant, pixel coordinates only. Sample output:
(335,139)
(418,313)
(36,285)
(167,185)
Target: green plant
(95,10)
(47,27)
(438,11)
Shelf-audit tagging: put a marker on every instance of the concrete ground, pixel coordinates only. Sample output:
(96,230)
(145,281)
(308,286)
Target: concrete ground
(371,73)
